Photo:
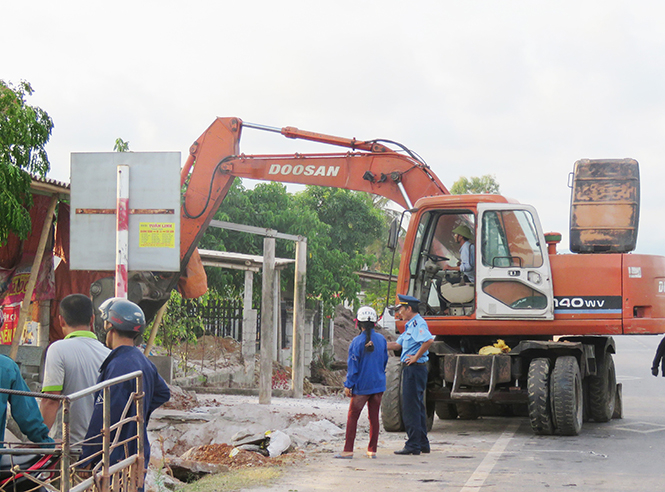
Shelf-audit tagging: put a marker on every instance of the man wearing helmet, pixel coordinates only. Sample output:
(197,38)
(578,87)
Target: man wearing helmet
(467,264)
(124,323)
(365,381)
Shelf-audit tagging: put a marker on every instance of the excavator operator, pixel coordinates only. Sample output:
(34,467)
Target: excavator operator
(467,264)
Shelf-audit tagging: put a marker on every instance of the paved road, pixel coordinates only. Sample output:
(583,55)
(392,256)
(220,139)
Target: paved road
(502,453)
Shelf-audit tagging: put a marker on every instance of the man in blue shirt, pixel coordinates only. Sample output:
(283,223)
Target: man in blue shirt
(467,264)
(124,321)
(24,408)
(414,343)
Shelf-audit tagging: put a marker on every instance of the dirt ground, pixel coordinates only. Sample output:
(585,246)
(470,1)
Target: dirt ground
(202,427)
(205,431)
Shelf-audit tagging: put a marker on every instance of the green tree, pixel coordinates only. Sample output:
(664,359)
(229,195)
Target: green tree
(339,226)
(24,132)
(355,222)
(120,145)
(178,326)
(475,185)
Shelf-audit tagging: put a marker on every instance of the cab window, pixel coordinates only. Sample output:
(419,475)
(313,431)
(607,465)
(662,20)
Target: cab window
(510,240)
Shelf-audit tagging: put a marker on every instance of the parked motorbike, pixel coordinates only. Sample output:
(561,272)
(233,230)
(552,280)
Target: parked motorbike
(16,470)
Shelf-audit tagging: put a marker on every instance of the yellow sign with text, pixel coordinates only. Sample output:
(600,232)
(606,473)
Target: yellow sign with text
(156,235)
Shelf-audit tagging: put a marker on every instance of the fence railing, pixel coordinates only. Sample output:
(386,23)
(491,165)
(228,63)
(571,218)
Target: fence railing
(74,475)
(221,318)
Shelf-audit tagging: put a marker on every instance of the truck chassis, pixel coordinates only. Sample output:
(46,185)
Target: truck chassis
(558,384)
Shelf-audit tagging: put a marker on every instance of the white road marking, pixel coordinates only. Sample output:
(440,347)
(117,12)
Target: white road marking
(483,471)
(641,427)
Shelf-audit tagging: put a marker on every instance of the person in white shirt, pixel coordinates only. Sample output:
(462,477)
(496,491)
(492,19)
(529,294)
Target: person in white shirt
(72,365)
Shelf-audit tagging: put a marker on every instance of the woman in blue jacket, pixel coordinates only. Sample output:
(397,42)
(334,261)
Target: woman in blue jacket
(365,381)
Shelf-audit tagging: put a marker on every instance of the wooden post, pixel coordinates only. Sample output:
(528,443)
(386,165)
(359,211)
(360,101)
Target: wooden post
(32,281)
(249,327)
(267,330)
(275,319)
(155,328)
(298,368)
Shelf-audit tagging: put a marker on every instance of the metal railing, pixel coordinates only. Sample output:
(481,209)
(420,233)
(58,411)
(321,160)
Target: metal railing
(78,475)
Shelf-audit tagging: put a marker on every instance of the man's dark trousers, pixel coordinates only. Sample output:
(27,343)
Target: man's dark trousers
(414,415)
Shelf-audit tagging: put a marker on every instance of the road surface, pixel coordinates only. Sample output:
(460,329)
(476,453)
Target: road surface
(495,453)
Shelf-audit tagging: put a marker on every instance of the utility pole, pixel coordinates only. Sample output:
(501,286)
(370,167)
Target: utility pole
(298,369)
(267,331)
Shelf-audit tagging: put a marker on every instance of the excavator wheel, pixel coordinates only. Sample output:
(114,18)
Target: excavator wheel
(602,391)
(391,403)
(538,386)
(567,396)
(467,410)
(446,411)
(430,407)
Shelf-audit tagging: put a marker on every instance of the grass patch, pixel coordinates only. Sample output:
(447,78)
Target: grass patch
(235,480)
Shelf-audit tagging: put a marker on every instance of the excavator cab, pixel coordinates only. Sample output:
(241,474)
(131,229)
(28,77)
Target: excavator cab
(511,278)
(446,292)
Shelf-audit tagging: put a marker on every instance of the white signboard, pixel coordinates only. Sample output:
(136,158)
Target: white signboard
(154,210)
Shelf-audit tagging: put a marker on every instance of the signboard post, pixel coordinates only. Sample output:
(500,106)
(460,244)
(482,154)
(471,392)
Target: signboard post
(122,232)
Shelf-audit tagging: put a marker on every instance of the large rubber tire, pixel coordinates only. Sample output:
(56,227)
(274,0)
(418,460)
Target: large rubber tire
(538,387)
(430,408)
(446,411)
(602,391)
(567,396)
(468,410)
(391,403)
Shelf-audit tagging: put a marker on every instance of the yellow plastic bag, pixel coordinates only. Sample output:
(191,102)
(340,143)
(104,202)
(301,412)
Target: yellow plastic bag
(499,347)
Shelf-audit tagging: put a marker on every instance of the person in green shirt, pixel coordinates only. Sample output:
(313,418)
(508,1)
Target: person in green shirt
(72,365)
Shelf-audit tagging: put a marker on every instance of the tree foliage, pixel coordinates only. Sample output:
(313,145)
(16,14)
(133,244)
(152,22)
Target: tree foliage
(120,145)
(178,326)
(24,132)
(475,185)
(351,215)
(339,226)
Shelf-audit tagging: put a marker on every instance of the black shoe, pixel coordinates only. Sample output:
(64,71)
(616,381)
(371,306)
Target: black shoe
(408,451)
(425,450)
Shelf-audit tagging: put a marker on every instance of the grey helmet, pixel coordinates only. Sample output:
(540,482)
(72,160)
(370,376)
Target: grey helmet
(123,315)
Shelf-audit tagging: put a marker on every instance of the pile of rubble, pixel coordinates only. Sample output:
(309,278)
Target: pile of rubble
(346,330)
(197,435)
(270,449)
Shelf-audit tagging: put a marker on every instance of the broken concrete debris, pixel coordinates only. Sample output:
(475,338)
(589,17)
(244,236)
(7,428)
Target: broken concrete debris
(271,443)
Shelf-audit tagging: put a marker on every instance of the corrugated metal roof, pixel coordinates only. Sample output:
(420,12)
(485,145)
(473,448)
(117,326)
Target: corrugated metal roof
(49,186)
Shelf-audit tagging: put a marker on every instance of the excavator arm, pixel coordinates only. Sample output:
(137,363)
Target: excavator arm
(215,160)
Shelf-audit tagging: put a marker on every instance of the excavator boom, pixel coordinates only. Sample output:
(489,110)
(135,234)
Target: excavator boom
(215,159)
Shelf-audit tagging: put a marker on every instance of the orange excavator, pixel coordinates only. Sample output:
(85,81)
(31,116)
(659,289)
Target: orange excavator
(529,330)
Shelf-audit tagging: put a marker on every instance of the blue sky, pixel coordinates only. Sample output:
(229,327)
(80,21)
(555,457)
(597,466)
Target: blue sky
(517,89)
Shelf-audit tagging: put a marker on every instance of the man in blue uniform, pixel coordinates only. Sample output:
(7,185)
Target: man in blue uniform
(414,343)
(124,321)
(24,408)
